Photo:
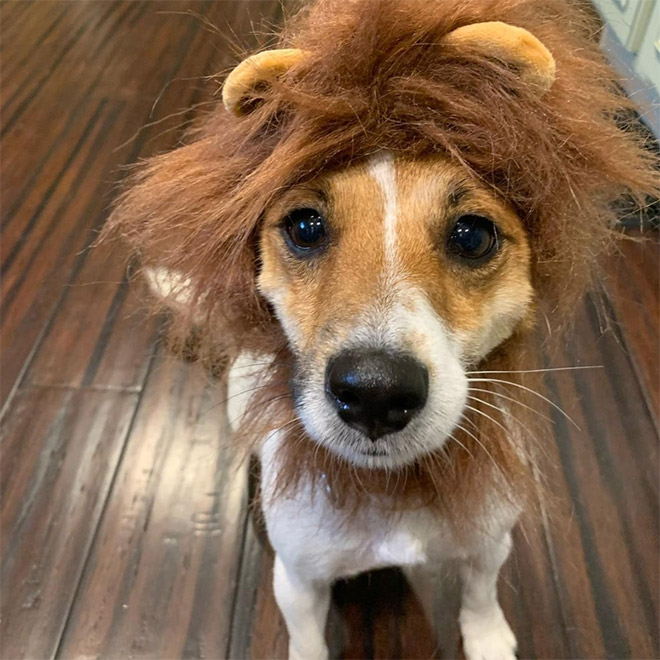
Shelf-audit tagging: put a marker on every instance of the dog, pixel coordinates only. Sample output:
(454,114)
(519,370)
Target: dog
(368,230)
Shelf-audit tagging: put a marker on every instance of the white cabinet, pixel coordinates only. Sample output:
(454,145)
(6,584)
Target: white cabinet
(627,18)
(647,62)
(631,40)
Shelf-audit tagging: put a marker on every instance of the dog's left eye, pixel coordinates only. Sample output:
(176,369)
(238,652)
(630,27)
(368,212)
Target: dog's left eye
(305,229)
(473,238)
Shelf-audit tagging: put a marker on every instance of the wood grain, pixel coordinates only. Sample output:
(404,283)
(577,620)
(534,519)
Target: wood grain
(92,90)
(79,84)
(162,573)
(60,449)
(633,285)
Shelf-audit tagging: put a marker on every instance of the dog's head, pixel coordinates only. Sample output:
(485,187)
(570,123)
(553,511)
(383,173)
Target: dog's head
(391,198)
(391,278)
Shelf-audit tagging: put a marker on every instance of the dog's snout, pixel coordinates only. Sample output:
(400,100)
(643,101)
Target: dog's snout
(376,392)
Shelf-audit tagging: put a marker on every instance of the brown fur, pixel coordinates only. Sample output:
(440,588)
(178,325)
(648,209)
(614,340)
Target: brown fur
(375,79)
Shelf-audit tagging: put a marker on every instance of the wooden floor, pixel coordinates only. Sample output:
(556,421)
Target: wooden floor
(125,529)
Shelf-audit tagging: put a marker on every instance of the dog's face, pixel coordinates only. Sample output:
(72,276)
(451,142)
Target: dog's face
(390,279)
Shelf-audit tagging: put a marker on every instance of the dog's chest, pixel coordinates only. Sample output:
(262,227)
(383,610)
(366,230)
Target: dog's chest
(309,532)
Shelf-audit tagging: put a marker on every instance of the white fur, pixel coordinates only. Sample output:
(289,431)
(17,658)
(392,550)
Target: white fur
(316,545)
(244,378)
(486,633)
(383,170)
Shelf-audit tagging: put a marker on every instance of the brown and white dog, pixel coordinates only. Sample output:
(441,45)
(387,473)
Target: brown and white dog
(368,230)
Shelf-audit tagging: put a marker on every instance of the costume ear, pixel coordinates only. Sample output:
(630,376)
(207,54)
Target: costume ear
(511,44)
(253,74)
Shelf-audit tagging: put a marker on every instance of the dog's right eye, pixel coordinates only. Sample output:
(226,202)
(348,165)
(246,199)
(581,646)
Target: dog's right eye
(305,230)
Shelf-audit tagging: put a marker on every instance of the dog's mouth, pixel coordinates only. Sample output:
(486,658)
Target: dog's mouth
(373,451)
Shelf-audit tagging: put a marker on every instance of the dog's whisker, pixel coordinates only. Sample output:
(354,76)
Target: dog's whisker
(481,444)
(359,481)
(458,442)
(261,364)
(388,477)
(250,389)
(471,422)
(499,409)
(512,399)
(536,371)
(406,472)
(487,416)
(251,407)
(285,426)
(508,414)
(530,434)
(531,391)
(325,460)
(428,462)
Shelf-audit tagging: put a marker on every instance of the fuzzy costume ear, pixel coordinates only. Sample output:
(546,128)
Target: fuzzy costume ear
(251,75)
(511,44)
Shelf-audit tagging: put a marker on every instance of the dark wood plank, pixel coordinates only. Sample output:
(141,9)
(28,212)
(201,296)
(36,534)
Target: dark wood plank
(254,601)
(528,587)
(60,448)
(634,288)
(608,545)
(383,617)
(16,16)
(57,190)
(10,10)
(161,577)
(115,339)
(70,321)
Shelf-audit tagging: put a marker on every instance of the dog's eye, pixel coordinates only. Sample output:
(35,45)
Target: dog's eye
(305,229)
(473,238)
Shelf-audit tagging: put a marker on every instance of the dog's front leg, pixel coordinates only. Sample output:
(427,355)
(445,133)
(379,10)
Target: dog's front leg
(304,605)
(486,633)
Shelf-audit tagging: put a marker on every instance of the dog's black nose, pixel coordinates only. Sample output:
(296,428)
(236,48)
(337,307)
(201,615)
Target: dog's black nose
(375,391)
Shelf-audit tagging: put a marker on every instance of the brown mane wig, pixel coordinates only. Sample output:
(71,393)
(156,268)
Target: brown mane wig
(378,77)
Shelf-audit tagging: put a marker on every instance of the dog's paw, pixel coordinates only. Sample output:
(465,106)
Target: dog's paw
(487,636)
(309,653)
